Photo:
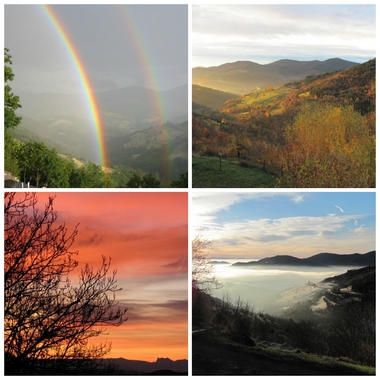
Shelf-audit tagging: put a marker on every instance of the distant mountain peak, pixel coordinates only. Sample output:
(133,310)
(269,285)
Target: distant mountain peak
(163,360)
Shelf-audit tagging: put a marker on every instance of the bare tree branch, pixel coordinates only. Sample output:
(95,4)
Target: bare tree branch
(46,318)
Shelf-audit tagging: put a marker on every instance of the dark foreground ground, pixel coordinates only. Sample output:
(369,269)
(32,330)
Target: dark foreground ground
(214,354)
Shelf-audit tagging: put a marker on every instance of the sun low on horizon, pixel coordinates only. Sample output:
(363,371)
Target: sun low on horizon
(146,237)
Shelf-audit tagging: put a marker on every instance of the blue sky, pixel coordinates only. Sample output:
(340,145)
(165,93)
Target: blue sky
(267,33)
(261,224)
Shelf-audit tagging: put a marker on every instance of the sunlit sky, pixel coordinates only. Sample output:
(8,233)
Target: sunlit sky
(145,234)
(263,224)
(267,33)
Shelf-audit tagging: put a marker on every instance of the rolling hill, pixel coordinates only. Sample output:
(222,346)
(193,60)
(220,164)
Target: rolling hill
(209,98)
(153,150)
(244,77)
(355,86)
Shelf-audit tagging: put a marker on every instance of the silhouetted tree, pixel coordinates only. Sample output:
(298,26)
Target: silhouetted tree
(47,319)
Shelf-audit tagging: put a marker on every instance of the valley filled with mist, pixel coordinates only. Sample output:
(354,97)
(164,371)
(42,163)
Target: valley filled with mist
(266,318)
(275,288)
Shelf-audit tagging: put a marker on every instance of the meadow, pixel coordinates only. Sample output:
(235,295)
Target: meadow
(228,173)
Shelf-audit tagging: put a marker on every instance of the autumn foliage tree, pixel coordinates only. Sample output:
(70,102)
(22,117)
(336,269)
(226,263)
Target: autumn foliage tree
(328,146)
(48,319)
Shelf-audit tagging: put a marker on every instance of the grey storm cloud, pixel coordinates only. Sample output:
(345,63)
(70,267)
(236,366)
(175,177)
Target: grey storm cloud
(116,43)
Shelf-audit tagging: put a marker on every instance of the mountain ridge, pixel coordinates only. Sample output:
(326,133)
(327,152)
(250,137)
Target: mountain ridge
(243,77)
(320,259)
(141,366)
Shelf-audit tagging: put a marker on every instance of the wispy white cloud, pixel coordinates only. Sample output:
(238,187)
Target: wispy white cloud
(298,198)
(264,33)
(304,234)
(206,205)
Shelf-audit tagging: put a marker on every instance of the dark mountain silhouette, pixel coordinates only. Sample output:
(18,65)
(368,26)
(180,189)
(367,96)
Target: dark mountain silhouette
(321,259)
(244,77)
(160,366)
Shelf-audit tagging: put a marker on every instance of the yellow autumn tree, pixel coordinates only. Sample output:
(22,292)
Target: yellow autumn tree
(328,146)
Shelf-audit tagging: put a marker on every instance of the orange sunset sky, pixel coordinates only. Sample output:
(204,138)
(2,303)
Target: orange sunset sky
(145,234)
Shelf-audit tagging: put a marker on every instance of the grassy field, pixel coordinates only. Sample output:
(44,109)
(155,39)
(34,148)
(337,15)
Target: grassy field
(207,172)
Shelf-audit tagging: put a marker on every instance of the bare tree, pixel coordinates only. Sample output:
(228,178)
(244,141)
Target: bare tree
(202,269)
(48,320)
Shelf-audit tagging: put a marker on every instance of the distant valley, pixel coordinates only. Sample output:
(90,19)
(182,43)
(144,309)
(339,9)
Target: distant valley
(131,117)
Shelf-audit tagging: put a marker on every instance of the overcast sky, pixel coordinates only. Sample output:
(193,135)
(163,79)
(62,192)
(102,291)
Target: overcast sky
(145,234)
(267,33)
(262,224)
(119,45)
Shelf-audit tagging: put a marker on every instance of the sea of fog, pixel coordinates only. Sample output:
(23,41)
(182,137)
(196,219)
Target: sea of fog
(261,286)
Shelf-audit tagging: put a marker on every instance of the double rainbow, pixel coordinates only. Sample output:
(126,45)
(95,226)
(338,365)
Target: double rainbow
(85,81)
(151,75)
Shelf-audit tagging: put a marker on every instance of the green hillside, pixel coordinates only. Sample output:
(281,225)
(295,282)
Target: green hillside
(153,150)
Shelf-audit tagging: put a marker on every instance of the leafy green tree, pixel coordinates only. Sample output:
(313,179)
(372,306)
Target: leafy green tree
(40,166)
(181,182)
(11,101)
(61,176)
(10,158)
(146,181)
(134,181)
(88,176)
